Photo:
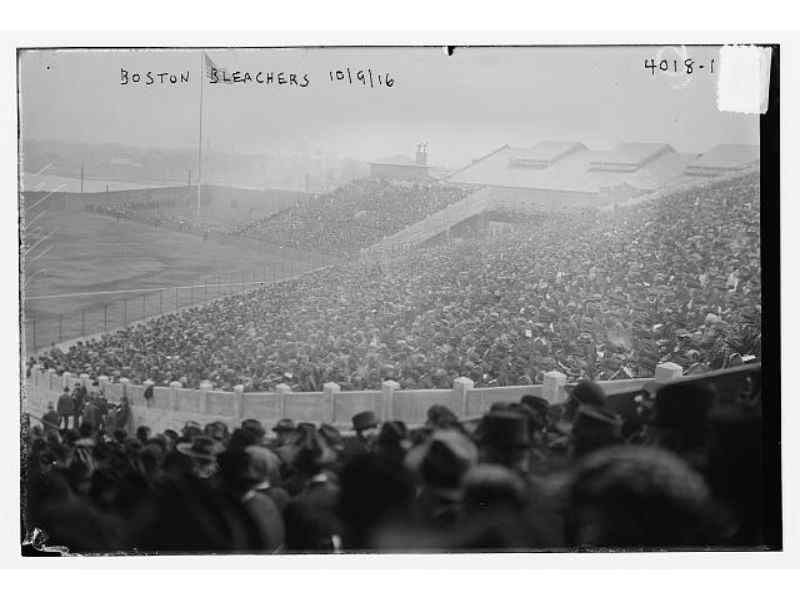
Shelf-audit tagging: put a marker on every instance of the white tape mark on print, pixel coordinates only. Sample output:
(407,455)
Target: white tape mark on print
(743,84)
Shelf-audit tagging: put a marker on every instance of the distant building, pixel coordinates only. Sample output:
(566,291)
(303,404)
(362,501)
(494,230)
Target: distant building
(402,167)
(566,174)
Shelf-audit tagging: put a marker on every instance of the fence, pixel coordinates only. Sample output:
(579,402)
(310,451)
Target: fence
(42,330)
(171,407)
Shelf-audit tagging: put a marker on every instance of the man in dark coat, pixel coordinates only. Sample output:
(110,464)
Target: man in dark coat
(66,409)
(365,424)
(51,420)
(91,414)
(123,414)
(79,399)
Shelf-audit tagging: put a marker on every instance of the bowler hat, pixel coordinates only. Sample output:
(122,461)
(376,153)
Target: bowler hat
(364,420)
(597,417)
(441,417)
(504,429)
(200,447)
(588,392)
(443,460)
(217,430)
(331,435)
(254,426)
(284,425)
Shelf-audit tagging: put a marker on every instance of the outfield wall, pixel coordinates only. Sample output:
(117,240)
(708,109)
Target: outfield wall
(171,407)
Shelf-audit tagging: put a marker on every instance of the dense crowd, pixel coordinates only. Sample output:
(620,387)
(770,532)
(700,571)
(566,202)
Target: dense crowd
(599,296)
(354,216)
(138,211)
(684,472)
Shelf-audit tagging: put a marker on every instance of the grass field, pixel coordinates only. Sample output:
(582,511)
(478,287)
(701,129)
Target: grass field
(94,259)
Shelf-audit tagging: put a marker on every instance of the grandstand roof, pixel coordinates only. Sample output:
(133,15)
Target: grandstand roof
(544,154)
(630,156)
(397,160)
(571,166)
(667,169)
(726,157)
(498,169)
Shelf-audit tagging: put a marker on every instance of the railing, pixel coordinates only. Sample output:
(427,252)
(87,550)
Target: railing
(171,407)
(114,309)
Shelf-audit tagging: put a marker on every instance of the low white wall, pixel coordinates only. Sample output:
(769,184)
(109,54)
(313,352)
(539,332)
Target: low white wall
(171,407)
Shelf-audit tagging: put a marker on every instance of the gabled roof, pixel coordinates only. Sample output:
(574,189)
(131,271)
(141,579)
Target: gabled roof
(496,169)
(667,169)
(642,166)
(544,154)
(630,156)
(725,157)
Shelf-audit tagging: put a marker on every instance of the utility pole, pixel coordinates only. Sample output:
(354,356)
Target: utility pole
(200,132)
(81,178)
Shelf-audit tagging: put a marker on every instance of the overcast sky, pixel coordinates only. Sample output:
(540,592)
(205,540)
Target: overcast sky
(464,105)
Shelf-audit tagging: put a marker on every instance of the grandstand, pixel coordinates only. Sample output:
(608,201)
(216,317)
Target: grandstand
(530,293)
(568,176)
(440,399)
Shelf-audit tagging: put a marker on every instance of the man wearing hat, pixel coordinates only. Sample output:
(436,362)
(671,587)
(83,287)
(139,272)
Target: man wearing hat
(218,431)
(78,400)
(504,439)
(203,451)
(51,419)
(440,465)
(191,430)
(263,470)
(365,424)
(143,433)
(283,433)
(65,409)
(679,419)
(584,393)
(594,427)
(123,415)
(92,415)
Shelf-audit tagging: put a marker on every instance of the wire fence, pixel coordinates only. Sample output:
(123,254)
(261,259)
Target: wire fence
(43,329)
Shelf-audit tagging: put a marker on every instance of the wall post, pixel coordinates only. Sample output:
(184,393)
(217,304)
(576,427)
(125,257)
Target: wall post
(173,394)
(668,371)
(238,391)
(124,381)
(283,391)
(205,387)
(553,388)
(388,388)
(461,387)
(329,389)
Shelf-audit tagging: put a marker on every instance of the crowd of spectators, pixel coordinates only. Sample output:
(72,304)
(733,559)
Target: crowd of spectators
(600,296)
(684,472)
(145,212)
(354,216)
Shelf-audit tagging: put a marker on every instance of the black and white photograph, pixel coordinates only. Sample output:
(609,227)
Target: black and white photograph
(409,299)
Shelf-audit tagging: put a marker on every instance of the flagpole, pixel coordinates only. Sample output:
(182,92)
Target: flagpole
(200,142)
